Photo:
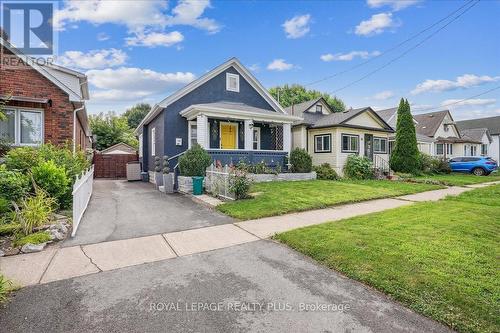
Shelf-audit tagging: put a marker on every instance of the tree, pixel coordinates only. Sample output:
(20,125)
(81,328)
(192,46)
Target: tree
(295,94)
(111,129)
(405,156)
(135,114)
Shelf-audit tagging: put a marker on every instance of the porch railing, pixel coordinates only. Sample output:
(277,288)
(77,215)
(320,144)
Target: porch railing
(82,191)
(381,165)
(269,157)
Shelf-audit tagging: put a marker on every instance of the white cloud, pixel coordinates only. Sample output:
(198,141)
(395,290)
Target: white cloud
(93,59)
(254,67)
(394,4)
(189,12)
(349,56)
(464,81)
(375,25)
(279,65)
(128,83)
(383,95)
(469,102)
(154,39)
(297,27)
(102,36)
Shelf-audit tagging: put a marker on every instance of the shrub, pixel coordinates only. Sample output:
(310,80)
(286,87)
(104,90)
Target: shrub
(194,162)
(325,171)
(22,159)
(35,211)
(35,238)
(5,286)
(13,185)
(4,206)
(51,178)
(5,146)
(405,156)
(358,167)
(63,156)
(9,229)
(429,164)
(300,160)
(240,184)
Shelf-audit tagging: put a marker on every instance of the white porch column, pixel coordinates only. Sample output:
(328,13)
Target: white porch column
(202,131)
(248,134)
(287,137)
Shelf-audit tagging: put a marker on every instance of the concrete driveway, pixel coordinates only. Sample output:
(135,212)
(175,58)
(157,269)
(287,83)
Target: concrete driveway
(255,287)
(121,210)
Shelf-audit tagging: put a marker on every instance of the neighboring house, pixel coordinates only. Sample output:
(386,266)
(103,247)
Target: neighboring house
(44,103)
(437,134)
(331,137)
(493,126)
(481,135)
(227,111)
(119,149)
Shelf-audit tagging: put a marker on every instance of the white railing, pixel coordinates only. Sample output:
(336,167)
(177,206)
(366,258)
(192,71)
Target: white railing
(217,182)
(82,191)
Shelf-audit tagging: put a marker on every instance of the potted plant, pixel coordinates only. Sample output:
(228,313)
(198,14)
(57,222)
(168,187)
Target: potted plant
(194,164)
(158,174)
(168,178)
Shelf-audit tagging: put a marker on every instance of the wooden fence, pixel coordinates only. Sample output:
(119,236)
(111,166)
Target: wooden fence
(112,166)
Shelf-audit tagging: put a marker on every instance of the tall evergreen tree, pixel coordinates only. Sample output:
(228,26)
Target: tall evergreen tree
(405,156)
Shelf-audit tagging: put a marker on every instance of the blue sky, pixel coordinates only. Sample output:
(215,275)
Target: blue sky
(136,51)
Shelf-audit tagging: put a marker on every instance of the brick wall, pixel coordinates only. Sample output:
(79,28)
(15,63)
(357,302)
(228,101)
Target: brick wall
(27,82)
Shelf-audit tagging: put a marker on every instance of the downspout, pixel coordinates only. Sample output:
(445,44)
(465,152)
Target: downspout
(74,127)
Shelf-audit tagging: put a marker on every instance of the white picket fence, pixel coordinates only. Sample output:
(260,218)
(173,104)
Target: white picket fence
(217,182)
(82,191)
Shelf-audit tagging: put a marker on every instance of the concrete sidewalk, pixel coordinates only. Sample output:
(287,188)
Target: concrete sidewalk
(68,262)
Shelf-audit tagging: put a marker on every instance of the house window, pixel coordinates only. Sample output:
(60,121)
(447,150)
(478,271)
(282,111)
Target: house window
(140,145)
(473,150)
(23,127)
(439,149)
(449,149)
(153,141)
(193,133)
(256,138)
(232,82)
(380,145)
(322,143)
(350,143)
(319,108)
(465,150)
(484,149)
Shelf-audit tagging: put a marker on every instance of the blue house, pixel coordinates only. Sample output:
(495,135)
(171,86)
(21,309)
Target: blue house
(227,111)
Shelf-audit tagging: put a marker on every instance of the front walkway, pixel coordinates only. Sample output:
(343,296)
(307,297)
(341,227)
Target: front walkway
(121,210)
(68,262)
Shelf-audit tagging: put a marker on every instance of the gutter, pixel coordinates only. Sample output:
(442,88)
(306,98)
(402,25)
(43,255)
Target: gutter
(74,126)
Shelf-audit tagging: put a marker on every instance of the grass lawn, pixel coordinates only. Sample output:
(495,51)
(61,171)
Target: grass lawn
(277,198)
(440,258)
(459,179)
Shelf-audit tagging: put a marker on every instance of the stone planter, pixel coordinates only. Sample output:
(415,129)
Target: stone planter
(259,178)
(158,179)
(168,182)
(185,184)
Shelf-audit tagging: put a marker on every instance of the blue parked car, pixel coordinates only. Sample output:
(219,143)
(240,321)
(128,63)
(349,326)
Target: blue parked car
(480,166)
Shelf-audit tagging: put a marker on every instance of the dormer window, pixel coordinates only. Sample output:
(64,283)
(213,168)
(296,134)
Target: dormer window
(319,108)
(232,82)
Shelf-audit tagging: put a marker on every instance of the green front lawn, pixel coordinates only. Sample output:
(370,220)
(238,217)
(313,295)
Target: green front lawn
(277,198)
(459,179)
(439,258)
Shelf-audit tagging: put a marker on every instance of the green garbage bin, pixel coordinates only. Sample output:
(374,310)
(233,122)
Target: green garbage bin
(197,185)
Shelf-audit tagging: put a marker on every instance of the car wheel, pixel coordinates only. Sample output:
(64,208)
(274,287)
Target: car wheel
(478,171)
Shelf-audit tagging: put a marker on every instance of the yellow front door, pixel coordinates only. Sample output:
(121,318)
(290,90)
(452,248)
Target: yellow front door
(228,136)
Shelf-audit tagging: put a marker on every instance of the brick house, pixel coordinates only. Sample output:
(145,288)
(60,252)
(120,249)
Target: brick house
(44,103)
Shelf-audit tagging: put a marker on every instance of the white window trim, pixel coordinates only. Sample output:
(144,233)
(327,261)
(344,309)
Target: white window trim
(237,134)
(323,150)
(153,141)
(257,129)
(232,76)
(140,144)
(350,136)
(380,139)
(191,123)
(444,149)
(449,149)
(17,125)
(320,108)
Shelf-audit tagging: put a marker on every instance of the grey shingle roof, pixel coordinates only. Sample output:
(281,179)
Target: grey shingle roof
(475,134)
(491,123)
(298,109)
(389,116)
(428,123)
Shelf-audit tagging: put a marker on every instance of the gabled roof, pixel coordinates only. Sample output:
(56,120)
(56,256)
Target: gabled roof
(475,134)
(428,123)
(233,62)
(299,109)
(313,120)
(391,116)
(124,147)
(71,82)
(491,123)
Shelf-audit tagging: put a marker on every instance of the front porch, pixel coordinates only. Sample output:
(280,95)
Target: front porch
(233,132)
